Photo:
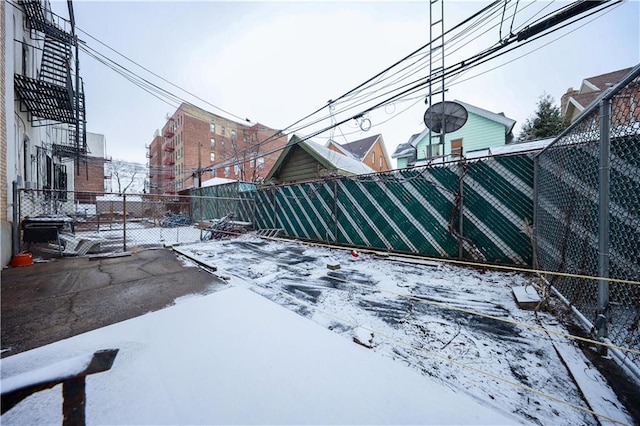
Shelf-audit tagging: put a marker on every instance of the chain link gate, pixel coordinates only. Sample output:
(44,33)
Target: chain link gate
(587,219)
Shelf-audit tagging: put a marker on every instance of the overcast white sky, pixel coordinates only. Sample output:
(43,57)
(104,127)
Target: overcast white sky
(275,62)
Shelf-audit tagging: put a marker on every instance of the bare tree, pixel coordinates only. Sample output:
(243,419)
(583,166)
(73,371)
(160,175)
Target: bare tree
(124,173)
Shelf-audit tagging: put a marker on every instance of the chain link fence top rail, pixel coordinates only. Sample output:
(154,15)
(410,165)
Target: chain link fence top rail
(568,216)
(479,210)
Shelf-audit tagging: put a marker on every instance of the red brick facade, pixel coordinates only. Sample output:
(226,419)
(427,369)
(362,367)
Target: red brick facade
(90,182)
(193,139)
(3,122)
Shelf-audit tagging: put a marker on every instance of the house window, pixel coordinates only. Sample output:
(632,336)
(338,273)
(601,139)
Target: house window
(213,156)
(233,135)
(260,161)
(212,127)
(373,158)
(380,158)
(456,148)
(252,162)
(213,143)
(226,171)
(236,169)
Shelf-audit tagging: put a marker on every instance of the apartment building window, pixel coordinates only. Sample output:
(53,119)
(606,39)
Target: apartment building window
(212,127)
(260,161)
(236,169)
(222,130)
(456,147)
(213,143)
(252,162)
(226,171)
(213,156)
(233,135)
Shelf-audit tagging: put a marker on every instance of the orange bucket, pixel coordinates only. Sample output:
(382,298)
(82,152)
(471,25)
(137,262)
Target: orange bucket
(22,259)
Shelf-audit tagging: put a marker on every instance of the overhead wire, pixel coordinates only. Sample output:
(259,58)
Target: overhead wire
(417,84)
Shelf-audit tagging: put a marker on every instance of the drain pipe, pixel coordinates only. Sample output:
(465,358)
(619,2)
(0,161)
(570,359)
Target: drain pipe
(15,246)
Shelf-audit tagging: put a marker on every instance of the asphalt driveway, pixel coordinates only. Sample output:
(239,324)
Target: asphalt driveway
(46,302)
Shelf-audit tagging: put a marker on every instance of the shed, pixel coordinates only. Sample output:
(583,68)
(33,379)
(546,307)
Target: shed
(304,160)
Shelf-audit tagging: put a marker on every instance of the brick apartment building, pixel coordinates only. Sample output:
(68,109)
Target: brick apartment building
(90,181)
(195,142)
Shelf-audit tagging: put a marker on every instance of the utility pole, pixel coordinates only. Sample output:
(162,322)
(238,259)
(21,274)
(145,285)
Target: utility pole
(199,166)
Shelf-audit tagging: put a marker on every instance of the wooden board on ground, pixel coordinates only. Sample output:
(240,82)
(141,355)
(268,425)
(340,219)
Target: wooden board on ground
(526,296)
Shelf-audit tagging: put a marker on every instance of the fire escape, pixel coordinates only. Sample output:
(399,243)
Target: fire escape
(169,156)
(54,97)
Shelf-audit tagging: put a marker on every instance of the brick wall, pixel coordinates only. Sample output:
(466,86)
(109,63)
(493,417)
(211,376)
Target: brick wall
(90,181)
(3,121)
(156,176)
(186,140)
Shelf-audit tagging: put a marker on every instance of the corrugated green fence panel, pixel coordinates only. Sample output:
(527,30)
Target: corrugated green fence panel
(264,209)
(304,212)
(498,207)
(413,210)
(359,220)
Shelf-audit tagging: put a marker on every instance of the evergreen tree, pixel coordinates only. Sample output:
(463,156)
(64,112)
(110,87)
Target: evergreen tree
(546,123)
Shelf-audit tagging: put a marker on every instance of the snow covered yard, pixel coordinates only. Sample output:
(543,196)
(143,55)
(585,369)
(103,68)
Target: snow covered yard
(449,345)
(459,326)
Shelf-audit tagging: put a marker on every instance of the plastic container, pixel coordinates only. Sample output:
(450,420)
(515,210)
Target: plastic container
(22,259)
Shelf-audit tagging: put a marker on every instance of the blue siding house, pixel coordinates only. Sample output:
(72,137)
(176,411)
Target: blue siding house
(483,129)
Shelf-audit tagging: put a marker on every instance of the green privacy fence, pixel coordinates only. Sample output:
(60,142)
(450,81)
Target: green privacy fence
(476,209)
(215,202)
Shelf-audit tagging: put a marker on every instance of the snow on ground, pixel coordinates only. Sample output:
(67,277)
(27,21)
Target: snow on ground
(422,316)
(233,357)
(141,235)
(457,327)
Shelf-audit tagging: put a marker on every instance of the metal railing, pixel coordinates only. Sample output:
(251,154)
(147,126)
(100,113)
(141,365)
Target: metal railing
(71,373)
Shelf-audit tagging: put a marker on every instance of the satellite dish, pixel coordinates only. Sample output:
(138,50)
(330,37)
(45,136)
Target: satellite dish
(455,116)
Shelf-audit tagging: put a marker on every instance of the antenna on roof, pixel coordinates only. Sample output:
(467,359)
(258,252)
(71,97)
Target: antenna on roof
(445,117)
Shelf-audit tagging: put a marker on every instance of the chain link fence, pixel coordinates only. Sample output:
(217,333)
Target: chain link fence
(479,209)
(56,222)
(587,214)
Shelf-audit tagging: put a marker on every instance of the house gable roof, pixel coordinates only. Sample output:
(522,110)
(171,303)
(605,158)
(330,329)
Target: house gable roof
(329,159)
(604,81)
(338,147)
(361,147)
(508,123)
(406,149)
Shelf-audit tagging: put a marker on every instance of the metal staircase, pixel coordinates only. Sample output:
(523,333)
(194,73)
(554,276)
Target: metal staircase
(57,94)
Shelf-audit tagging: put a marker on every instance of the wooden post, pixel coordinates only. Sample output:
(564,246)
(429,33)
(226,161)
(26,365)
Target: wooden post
(73,401)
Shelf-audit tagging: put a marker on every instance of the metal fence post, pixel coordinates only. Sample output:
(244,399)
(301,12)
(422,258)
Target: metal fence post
(603,223)
(335,210)
(15,235)
(275,208)
(124,222)
(534,235)
(461,166)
